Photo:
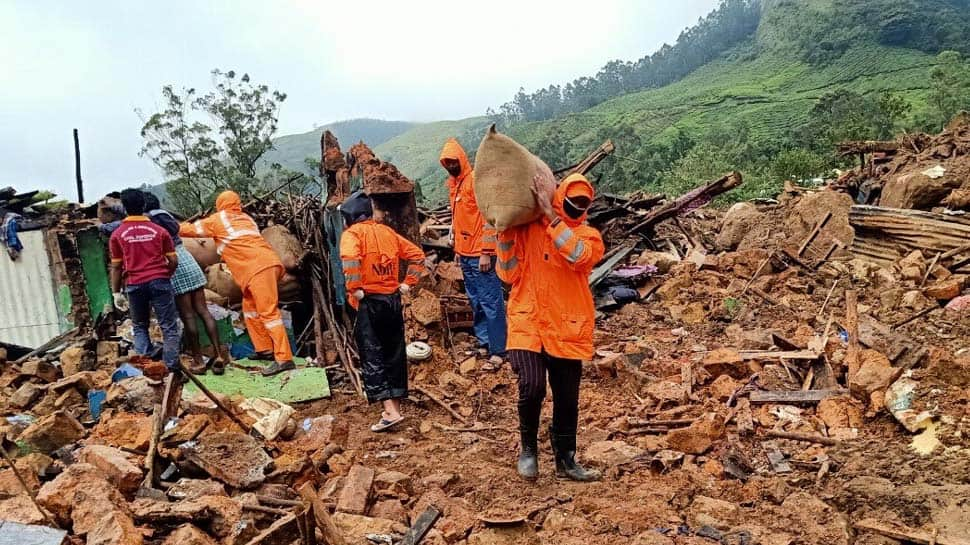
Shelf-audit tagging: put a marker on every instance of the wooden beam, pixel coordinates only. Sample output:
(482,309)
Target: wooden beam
(690,200)
(794,396)
(775,354)
(281,531)
(815,231)
(807,437)
(902,533)
(422,526)
(852,329)
(855,147)
(583,167)
(331,534)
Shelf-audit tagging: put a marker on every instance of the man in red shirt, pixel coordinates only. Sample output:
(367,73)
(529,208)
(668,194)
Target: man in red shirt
(143,254)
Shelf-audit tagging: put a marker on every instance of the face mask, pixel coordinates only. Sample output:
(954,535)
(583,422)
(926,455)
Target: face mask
(454,170)
(572,210)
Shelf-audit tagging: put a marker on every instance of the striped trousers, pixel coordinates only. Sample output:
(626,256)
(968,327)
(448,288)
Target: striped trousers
(564,378)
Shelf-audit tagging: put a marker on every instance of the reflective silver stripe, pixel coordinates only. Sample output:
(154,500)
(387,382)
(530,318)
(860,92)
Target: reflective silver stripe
(353,277)
(273,323)
(199,230)
(351,264)
(563,238)
(490,238)
(251,314)
(414,271)
(505,246)
(577,251)
(508,265)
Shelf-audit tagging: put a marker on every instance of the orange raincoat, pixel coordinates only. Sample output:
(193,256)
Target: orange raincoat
(548,265)
(371,253)
(254,266)
(473,237)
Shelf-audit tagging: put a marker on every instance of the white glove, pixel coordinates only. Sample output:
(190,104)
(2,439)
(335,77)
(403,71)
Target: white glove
(121,302)
(359,295)
(404,289)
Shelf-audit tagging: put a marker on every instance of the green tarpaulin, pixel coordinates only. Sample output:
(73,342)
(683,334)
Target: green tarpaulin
(243,379)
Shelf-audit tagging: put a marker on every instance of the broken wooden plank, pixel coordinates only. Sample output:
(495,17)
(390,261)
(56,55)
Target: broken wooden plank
(688,201)
(857,147)
(794,396)
(777,460)
(601,272)
(743,417)
(433,397)
(422,526)
(814,233)
(915,316)
(53,343)
(594,158)
(807,437)
(331,534)
(852,330)
(824,375)
(776,354)
(281,532)
(903,533)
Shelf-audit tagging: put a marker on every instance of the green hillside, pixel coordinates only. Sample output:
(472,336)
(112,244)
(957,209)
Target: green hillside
(291,150)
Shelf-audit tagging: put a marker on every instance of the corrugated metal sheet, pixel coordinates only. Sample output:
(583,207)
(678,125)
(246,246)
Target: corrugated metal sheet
(28,310)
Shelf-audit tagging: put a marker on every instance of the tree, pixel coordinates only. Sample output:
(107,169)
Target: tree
(199,159)
(951,89)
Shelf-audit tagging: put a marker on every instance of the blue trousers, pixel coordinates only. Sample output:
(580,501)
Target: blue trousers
(158,295)
(484,290)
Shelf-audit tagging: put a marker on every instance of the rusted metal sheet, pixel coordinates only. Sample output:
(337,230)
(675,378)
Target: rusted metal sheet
(28,307)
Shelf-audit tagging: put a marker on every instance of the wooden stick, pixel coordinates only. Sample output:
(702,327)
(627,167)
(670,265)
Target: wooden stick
(662,423)
(331,534)
(919,314)
(828,297)
(756,274)
(907,534)
(27,489)
(267,510)
(281,526)
(454,414)
(852,328)
(278,501)
(929,269)
(811,236)
(807,437)
(213,398)
(157,423)
(828,253)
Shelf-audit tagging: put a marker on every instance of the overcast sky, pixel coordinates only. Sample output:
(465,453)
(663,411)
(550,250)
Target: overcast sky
(66,64)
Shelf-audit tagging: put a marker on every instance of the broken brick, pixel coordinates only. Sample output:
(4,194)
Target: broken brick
(390,510)
(41,369)
(724,387)
(706,511)
(115,465)
(875,374)
(698,437)
(356,491)
(125,430)
(944,289)
(26,395)
(394,482)
(188,534)
(10,485)
(115,528)
(81,495)
(53,432)
(190,489)
(20,509)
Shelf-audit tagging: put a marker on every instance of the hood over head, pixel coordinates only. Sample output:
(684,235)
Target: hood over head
(453,150)
(574,185)
(229,201)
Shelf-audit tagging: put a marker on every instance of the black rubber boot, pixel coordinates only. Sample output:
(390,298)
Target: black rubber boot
(528,465)
(564,450)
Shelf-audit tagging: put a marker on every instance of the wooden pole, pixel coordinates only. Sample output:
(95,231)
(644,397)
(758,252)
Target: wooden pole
(77,168)
(27,489)
(852,329)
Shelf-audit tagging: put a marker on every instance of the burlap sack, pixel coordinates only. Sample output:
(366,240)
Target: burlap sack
(219,280)
(286,245)
(503,181)
(203,250)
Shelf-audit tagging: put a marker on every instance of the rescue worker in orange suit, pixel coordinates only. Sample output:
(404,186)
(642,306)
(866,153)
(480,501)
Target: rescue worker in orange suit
(256,269)
(371,254)
(474,243)
(551,316)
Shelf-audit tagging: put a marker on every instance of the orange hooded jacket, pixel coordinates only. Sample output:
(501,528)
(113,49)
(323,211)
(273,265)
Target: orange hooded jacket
(371,253)
(548,264)
(473,237)
(237,237)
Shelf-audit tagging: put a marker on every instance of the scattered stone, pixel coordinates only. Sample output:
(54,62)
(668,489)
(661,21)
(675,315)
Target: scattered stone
(439,480)
(315,433)
(223,514)
(190,489)
(125,430)
(26,395)
(355,527)
(188,534)
(10,485)
(75,359)
(390,510)
(35,463)
(724,361)
(188,428)
(661,260)
(20,509)
(82,381)
(698,437)
(724,387)
(840,413)
(70,398)
(469,366)
(41,369)
(114,528)
(108,352)
(670,289)
(607,454)
(458,516)
(233,458)
(449,378)
(706,511)
(739,221)
(81,496)
(356,491)
(53,432)
(945,289)
(394,481)
(693,313)
(115,465)
(136,394)
(875,374)
(652,537)
(516,535)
